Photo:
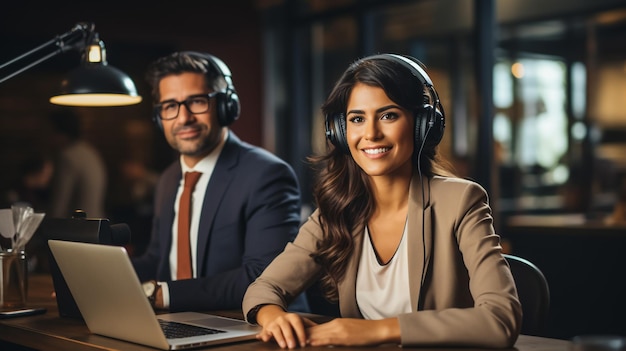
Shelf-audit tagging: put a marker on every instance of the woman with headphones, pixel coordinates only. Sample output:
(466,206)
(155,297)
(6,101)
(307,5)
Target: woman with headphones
(407,249)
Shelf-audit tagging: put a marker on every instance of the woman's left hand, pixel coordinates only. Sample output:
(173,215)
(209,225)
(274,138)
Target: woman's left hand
(354,332)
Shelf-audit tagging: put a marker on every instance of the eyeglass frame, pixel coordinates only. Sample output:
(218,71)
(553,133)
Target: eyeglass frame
(159,106)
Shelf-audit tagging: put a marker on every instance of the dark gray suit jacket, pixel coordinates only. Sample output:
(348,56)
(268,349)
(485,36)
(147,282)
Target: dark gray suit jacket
(251,210)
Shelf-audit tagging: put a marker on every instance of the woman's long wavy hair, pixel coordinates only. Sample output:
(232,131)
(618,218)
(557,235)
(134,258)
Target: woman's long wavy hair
(342,191)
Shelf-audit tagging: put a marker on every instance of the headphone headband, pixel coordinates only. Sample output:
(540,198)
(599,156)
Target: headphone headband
(413,66)
(224,70)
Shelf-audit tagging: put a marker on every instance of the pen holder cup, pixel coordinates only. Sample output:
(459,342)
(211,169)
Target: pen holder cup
(13,279)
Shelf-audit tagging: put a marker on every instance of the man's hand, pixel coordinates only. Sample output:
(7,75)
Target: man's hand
(154,293)
(158,299)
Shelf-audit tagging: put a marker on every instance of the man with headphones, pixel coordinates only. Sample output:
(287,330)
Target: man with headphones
(212,238)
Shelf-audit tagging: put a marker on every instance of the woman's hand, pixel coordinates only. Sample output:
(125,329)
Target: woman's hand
(352,332)
(288,329)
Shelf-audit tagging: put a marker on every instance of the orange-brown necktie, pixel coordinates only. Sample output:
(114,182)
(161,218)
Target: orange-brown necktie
(184,219)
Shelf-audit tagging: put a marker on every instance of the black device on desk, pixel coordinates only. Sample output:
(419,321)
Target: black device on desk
(79,228)
(28,311)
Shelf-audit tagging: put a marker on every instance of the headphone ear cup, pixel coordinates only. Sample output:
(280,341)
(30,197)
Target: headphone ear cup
(428,120)
(437,128)
(421,123)
(157,120)
(228,107)
(336,131)
(232,105)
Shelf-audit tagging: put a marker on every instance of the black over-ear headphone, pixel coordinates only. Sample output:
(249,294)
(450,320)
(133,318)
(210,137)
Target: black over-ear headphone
(227,101)
(429,119)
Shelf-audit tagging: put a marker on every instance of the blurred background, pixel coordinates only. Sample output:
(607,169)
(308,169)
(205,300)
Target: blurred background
(533,93)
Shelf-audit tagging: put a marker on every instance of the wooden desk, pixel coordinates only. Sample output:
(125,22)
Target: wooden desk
(50,332)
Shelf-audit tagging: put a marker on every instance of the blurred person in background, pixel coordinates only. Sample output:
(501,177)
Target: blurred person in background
(80,176)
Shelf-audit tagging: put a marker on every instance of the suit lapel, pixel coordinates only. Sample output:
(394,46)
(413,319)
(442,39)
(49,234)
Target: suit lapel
(218,184)
(167,219)
(419,240)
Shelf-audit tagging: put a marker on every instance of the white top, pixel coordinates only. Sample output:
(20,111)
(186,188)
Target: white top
(382,291)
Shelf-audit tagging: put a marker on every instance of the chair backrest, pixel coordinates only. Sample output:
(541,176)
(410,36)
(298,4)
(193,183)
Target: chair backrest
(534,294)
(318,304)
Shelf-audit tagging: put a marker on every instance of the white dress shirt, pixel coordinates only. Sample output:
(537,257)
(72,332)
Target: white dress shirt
(206,167)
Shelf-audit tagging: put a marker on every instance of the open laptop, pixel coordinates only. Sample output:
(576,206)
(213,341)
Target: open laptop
(111,300)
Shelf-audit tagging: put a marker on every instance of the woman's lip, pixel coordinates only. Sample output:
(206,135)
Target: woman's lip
(375,152)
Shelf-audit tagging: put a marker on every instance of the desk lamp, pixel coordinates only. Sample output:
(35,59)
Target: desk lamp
(94,83)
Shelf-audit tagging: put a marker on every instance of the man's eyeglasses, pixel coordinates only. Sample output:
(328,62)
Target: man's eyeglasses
(195,104)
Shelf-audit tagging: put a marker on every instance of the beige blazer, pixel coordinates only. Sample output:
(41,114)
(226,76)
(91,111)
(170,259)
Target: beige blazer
(462,290)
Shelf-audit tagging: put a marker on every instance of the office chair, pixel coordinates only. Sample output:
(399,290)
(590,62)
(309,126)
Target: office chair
(534,294)
(318,304)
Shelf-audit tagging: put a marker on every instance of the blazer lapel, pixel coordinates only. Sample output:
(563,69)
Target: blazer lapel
(347,286)
(419,238)
(219,182)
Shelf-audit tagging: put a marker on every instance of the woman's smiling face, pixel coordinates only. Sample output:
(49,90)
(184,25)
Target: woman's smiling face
(379,132)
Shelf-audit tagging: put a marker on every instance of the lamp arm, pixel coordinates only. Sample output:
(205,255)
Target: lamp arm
(76,38)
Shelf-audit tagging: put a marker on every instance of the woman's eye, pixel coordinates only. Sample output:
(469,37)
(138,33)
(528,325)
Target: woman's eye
(356,119)
(390,115)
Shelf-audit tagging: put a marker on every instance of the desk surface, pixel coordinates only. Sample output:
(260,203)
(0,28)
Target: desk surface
(51,332)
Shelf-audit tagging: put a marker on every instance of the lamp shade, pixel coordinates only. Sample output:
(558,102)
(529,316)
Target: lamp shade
(97,84)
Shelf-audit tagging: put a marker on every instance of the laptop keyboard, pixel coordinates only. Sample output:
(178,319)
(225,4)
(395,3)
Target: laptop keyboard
(175,330)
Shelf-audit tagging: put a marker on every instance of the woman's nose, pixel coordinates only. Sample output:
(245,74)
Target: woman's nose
(372,130)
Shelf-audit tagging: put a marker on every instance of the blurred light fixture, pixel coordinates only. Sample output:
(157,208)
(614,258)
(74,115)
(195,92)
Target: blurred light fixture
(94,83)
(518,70)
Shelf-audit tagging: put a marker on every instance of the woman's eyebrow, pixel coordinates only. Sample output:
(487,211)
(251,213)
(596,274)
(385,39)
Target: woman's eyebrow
(378,110)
